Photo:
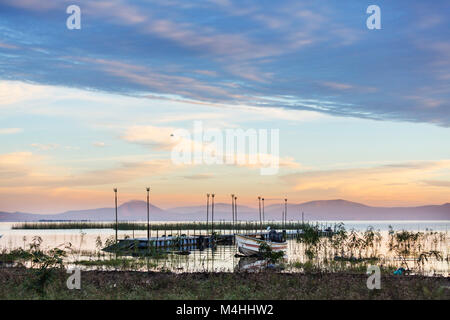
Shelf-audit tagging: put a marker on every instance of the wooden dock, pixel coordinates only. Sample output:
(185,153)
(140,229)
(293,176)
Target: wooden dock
(163,243)
(189,242)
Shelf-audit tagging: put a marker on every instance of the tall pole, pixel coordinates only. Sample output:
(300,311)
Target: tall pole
(148,214)
(207,213)
(260,221)
(212,214)
(117,223)
(263,218)
(232,210)
(235,209)
(285,211)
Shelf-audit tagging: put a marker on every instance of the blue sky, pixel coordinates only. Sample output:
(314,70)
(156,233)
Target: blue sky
(348,101)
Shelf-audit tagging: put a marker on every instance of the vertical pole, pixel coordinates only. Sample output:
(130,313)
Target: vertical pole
(115,197)
(207,213)
(285,211)
(235,209)
(260,221)
(148,214)
(232,211)
(263,218)
(212,214)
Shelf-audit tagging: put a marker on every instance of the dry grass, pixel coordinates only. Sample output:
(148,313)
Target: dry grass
(267,285)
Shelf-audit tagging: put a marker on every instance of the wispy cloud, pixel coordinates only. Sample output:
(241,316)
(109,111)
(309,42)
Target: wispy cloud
(10,130)
(250,50)
(45,147)
(437,183)
(99,144)
(396,183)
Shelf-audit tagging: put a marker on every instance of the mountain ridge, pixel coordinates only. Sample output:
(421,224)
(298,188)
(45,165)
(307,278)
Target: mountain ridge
(335,209)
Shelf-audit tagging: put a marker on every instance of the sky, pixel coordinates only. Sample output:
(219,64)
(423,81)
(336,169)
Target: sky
(362,115)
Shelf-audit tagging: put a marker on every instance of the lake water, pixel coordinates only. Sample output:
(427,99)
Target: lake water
(84,244)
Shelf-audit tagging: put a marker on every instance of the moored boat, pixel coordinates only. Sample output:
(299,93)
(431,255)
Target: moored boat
(249,245)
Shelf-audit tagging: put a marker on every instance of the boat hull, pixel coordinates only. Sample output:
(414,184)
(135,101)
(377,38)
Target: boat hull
(249,246)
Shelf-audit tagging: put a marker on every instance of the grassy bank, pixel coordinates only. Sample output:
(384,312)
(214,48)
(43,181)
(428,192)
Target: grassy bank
(15,284)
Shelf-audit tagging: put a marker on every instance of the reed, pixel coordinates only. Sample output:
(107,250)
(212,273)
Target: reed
(196,226)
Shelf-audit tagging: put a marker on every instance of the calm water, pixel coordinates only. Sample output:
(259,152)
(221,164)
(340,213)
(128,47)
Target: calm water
(83,242)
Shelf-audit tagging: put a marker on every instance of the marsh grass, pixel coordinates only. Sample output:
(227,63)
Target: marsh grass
(350,250)
(194,226)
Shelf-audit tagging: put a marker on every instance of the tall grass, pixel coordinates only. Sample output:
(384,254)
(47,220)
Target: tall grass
(220,225)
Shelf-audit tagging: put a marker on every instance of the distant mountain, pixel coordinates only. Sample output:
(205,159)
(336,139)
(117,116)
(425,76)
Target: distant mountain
(19,216)
(313,210)
(346,210)
(222,211)
(132,210)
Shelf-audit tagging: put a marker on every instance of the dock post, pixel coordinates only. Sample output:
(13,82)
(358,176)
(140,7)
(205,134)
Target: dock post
(232,212)
(260,218)
(285,211)
(263,218)
(212,214)
(148,216)
(115,197)
(235,211)
(207,213)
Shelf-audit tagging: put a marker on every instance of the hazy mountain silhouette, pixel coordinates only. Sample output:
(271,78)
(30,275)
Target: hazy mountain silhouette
(313,210)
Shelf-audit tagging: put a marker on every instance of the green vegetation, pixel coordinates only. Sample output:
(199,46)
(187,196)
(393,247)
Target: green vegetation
(311,238)
(407,245)
(343,250)
(43,265)
(266,252)
(268,285)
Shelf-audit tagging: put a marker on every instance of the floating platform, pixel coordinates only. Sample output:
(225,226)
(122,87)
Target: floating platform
(162,243)
(192,242)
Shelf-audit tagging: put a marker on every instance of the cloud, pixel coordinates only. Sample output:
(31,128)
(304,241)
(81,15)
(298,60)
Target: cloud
(151,136)
(10,130)
(169,139)
(200,176)
(99,144)
(25,169)
(399,183)
(249,54)
(13,92)
(8,46)
(45,147)
(338,86)
(437,183)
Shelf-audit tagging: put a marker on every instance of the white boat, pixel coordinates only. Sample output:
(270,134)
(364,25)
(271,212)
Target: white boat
(249,245)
